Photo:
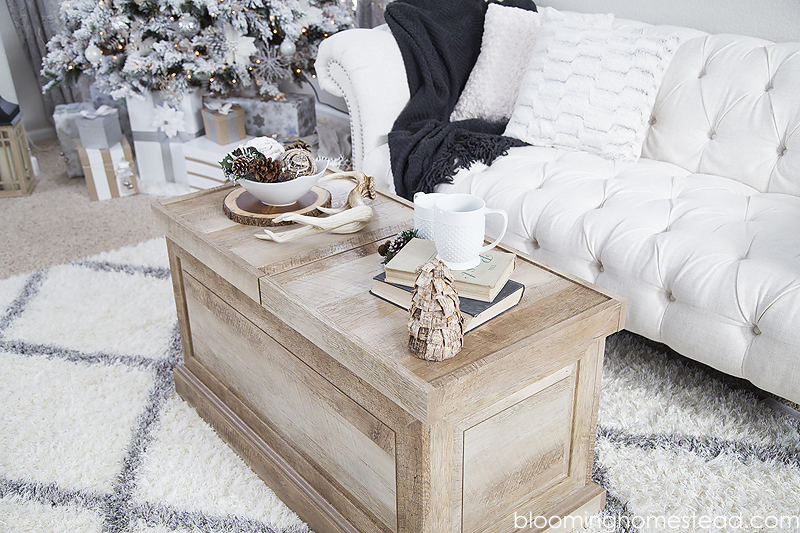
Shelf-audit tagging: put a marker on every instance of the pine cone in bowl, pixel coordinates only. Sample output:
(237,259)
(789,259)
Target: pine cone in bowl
(266,170)
(302,145)
(241,165)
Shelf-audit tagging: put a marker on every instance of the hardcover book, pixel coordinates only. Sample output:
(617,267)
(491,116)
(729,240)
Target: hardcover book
(476,312)
(483,282)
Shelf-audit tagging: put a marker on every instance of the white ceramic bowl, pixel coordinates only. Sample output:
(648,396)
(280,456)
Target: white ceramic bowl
(285,192)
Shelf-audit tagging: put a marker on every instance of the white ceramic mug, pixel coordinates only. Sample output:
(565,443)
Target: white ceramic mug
(460,228)
(423,213)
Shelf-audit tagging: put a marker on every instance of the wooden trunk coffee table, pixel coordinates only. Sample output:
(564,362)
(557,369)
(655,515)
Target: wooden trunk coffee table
(308,377)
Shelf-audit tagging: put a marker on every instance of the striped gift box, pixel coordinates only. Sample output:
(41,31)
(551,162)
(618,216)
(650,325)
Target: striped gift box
(110,173)
(202,157)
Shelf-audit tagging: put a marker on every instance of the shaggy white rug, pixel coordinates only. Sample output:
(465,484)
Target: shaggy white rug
(93,437)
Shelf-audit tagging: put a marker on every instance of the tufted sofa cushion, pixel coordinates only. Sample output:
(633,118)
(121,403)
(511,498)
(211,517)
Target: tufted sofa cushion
(702,259)
(702,234)
(728,106)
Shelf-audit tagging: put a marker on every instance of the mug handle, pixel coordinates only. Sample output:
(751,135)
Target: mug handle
(489,211)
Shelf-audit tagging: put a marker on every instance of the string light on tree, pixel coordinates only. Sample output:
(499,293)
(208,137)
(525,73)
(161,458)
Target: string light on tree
(135,46)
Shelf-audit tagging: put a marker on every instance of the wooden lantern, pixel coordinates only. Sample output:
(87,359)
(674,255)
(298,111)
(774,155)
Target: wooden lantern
(16,171)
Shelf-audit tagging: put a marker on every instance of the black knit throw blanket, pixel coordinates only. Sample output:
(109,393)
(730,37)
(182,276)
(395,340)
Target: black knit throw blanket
(440,41)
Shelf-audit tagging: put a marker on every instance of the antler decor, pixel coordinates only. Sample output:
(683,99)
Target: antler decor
(349,218)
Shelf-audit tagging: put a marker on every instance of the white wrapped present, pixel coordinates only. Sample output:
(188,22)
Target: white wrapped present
(109,172)
(159,131)
(202,156)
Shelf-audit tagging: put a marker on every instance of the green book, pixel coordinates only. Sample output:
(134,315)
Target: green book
(483,282)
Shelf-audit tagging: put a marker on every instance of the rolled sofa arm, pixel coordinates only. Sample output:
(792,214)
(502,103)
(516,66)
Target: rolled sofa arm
(364,66)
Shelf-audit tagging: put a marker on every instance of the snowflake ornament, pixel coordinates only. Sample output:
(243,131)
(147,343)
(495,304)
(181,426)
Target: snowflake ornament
(269,66)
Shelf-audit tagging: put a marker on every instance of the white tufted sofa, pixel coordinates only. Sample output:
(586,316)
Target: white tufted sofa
(702,234)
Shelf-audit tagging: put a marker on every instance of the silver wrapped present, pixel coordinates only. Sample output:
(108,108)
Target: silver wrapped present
(99,129)
(64,117)
(287,116)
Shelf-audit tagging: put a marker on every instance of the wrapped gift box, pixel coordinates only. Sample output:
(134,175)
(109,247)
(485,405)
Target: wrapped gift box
(100,131)
(109,173)
(224,128)
(288,116)
(202,157)
(64,117)
(99,98)
(159,157)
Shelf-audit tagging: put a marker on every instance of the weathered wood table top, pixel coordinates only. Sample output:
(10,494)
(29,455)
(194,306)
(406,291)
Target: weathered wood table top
(318,287)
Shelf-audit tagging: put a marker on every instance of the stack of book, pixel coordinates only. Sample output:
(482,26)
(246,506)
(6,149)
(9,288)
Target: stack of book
(484,291)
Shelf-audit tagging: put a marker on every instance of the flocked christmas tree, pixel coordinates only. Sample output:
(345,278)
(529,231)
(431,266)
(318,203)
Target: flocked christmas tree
(170,46)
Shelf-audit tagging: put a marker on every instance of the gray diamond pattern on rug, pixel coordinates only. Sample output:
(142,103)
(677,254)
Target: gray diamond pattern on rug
(93,437)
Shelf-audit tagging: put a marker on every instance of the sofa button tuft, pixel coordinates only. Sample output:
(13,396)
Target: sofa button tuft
(781,151)
(712,134)
(756,330)
(600,267)
(535,244)
(653,121)
(670,296)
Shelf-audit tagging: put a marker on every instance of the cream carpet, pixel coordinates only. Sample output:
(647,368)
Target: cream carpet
(93,437)
(58,223)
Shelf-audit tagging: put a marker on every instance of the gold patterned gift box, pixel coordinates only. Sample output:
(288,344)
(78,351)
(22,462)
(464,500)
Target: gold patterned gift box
(287,116)
(109,173)
(224,126)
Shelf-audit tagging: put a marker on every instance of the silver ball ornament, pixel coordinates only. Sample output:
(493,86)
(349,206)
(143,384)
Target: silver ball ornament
(188,25)
(93,54)
(288,48)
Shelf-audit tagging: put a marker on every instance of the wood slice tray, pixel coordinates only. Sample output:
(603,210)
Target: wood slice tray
(244,208)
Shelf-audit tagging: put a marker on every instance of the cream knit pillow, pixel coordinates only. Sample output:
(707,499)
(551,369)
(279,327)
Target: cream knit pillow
(509,35)
(590,89)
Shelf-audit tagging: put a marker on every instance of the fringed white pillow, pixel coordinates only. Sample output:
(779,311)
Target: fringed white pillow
(509,35)
(590,89)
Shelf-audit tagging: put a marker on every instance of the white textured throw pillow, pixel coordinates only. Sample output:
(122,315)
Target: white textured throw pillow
(509,35)
(590,89)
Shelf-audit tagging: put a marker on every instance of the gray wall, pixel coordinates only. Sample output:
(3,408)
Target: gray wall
(28,93)
(775,20)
